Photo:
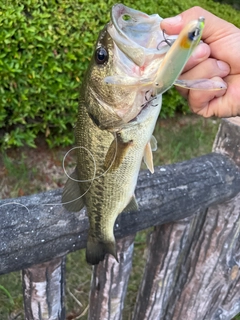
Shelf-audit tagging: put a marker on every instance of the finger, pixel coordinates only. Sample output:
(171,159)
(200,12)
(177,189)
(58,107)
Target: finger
(222,36)
(199,100)
(207,69)
(212,23)
(201,53)
(218,103)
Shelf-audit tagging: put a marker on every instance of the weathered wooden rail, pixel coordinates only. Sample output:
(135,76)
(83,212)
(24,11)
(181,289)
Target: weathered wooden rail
(192,269)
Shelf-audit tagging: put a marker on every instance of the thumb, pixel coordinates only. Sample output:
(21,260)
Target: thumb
(212,23)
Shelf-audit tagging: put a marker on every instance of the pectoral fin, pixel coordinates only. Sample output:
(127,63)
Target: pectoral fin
(71,194)
(116,153)
(132,206)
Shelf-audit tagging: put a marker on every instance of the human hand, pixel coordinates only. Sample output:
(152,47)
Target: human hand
(217,58)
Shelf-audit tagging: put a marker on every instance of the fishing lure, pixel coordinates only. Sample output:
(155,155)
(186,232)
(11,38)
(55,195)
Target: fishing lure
(172,65)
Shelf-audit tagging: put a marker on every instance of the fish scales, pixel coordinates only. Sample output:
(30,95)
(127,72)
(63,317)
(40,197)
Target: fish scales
(116,184)
(120,100)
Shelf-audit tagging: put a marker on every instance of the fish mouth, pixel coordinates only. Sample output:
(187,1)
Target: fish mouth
(138,49)
(137,34)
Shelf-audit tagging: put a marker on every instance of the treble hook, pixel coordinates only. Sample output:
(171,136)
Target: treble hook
(168,42)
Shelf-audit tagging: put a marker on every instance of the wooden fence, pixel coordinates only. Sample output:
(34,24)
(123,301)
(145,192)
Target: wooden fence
(193,259)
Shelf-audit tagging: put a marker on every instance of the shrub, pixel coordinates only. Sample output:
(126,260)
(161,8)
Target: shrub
(46,47)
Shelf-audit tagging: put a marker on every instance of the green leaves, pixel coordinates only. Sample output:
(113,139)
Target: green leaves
(39,68)
(45,49)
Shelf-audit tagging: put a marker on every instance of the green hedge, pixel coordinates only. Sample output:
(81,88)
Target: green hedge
(45,49)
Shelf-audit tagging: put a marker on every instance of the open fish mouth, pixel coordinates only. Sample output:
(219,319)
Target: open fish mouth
(145,60)
(137,34)
(139,47)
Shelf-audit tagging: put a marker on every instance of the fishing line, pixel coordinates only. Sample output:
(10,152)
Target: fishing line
(59,204)
(76,180)
(65,171)
(95,170)
(95,167)
(16,203)
(88,180)
(94,161)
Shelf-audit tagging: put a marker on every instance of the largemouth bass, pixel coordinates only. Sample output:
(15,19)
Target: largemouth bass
(119,105)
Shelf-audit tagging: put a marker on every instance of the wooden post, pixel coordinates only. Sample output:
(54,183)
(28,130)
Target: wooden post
(109,283)
(43,290)
(192,269)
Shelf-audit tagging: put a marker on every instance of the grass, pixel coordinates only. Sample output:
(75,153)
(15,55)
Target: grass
(19,174)
(183,138)
(27,171)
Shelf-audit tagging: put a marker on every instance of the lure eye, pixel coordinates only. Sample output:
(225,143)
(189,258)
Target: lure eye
(194,34)
(101,55)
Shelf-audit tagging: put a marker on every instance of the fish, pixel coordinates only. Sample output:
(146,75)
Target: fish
(119,105)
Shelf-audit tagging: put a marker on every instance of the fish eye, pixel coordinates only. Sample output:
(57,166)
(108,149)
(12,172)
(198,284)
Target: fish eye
(101,55)
(194,34)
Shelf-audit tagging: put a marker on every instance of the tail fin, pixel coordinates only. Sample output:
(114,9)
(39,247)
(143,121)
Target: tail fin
(96,251)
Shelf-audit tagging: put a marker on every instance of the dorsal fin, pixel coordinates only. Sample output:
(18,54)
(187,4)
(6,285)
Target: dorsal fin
(71,194)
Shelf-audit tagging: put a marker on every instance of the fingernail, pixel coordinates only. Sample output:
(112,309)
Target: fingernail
(173,20)
(199,52)
(223,65)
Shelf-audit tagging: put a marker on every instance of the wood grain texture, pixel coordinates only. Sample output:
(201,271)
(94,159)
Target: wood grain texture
(192,269)
(43,290)
(109,283)
(44,231)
